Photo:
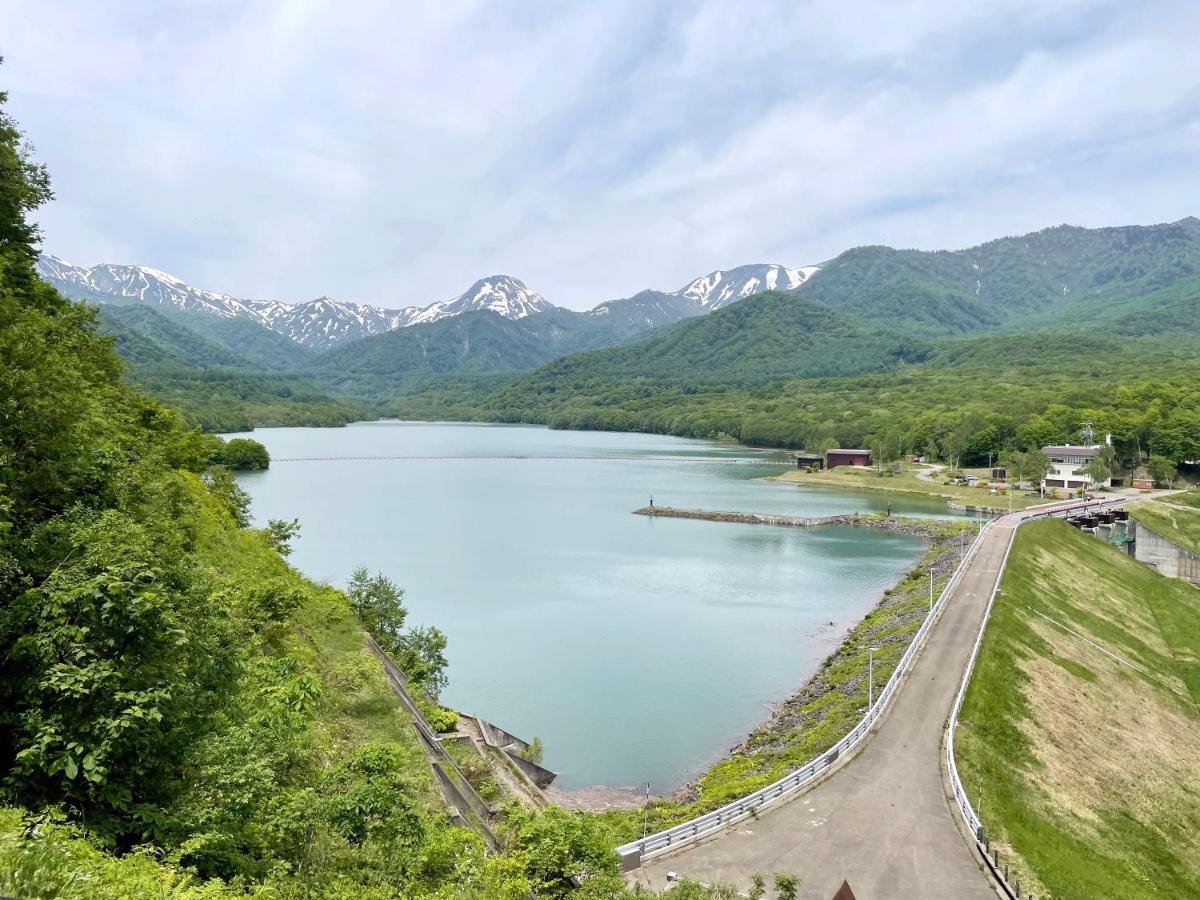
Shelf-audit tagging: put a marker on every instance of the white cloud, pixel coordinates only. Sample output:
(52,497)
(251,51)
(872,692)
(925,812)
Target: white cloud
(393,155)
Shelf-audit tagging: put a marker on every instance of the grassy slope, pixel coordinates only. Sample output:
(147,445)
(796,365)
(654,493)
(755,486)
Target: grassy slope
(1085,766)
(1175,519)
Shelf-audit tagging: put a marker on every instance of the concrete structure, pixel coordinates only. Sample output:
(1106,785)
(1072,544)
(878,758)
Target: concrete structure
(844,457)
(1143,484)
(1167,557)
(810,461)
(1067,462)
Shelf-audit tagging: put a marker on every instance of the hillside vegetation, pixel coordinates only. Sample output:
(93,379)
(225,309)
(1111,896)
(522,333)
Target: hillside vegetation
(1175,517)
(1076,740)
(209,382)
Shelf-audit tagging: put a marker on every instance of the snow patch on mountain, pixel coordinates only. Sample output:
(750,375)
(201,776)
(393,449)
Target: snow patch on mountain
(723,287)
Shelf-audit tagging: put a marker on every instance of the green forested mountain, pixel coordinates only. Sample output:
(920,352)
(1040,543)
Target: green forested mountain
(210,384)
(180,343)
(767,337)
(256,344)
(1058,274)
(469,344)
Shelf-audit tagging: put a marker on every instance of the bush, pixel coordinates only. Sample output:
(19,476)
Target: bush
(242,455)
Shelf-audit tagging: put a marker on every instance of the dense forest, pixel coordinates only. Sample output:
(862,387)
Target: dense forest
(181,713)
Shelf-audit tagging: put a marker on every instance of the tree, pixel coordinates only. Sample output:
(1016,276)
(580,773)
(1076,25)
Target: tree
(242,455)
(280,534)
(379,605)
(422,655)
(1100,467)
(1162,470)
(786,886)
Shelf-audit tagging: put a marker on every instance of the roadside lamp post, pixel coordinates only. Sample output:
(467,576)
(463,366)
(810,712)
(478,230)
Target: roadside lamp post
(931,590)
(871,677)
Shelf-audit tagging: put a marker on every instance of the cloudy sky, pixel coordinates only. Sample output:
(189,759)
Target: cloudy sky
(393,153)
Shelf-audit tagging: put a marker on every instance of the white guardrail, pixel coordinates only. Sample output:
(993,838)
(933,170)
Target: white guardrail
(635,852)
(960,794)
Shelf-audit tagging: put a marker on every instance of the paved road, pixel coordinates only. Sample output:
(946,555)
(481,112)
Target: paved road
(883,821)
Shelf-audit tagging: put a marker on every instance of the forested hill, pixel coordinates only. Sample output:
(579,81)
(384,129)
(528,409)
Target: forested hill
(767,337)
(470,344)
(212,384)
(1058,274)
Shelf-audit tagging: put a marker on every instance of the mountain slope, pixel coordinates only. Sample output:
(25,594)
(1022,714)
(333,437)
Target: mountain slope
(766,337)
(720,288)
(470,343)
(503,295)
(1055,275)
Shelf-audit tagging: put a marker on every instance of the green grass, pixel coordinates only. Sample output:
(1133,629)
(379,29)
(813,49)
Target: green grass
(1172,519)
(1086,767)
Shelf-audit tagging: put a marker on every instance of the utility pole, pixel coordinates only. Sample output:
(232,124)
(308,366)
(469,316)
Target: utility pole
(931,591)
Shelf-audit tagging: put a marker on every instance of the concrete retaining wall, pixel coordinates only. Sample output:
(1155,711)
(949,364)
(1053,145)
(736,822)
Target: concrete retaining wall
(1167,557)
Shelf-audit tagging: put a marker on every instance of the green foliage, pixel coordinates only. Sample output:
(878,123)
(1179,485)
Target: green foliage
(786,887)
(442,720)
(535,751)
(242,455)
(379,604)
(558,846)
(1162,470)
(280,534)
(421,653)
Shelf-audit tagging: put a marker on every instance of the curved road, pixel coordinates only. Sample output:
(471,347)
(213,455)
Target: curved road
(883,821)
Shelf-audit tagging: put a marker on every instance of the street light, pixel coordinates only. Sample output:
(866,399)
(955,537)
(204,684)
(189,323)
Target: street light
(871,677)
(931,590)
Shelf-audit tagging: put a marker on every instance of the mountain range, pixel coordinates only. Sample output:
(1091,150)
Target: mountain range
(869,309)
(325,322)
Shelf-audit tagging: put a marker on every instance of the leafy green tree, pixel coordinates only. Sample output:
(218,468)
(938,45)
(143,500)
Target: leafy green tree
(1162,470)
(786,887)
(242,454)
(280,534)
(1100,467)
(379,604)
(421,654)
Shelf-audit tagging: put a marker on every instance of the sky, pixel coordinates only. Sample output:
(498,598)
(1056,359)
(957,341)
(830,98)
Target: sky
(392,153)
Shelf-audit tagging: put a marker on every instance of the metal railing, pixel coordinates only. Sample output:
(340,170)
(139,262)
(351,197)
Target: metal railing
(970,819)
(635,852)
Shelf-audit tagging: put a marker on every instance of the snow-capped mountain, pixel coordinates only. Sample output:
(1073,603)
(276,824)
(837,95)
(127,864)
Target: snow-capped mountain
(718,289)
(324,322)
(315,323)
(501,294)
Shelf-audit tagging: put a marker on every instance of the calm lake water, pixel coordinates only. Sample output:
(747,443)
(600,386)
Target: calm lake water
(636,649)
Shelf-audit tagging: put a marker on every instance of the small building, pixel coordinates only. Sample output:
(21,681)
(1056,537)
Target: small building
(1141,483)
(846,457)
(999,474)
(810,461)
(1066,466)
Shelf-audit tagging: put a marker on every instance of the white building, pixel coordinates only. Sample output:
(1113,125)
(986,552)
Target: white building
(1066,466)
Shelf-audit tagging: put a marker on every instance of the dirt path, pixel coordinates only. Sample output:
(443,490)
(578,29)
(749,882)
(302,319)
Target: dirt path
(883,822)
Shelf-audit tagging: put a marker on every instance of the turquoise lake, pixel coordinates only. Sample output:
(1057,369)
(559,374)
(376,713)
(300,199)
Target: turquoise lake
(637,649)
